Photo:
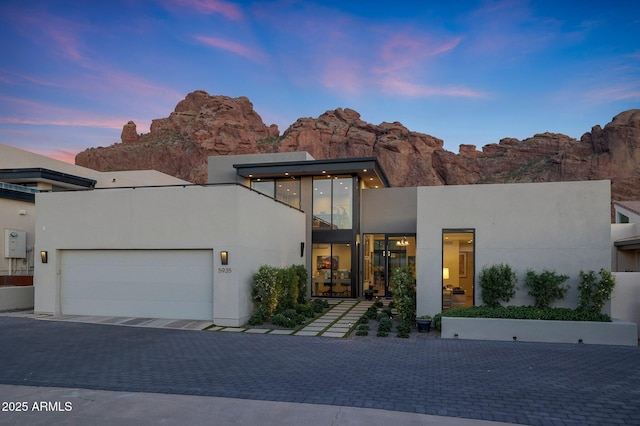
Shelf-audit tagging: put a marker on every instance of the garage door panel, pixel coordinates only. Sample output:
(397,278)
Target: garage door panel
(150,283)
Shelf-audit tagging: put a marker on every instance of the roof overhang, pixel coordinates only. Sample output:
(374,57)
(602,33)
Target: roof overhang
(366,168)
(38,174)
(631,243)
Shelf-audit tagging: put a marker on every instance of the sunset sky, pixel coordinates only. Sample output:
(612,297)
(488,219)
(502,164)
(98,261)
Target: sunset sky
(73,73)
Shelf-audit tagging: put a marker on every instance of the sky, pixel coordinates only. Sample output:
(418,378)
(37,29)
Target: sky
(468,72)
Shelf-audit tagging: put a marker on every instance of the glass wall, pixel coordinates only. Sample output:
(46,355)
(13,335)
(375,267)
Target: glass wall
(286,190)
(332,202)
(382,254)
(458,268)
(331,266)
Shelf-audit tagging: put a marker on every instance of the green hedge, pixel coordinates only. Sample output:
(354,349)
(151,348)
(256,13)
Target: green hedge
(526,312)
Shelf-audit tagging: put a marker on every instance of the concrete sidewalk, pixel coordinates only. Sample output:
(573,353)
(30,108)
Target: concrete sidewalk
(96,408)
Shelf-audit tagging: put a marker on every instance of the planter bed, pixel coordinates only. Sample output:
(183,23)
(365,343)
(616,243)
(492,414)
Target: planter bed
(529,330)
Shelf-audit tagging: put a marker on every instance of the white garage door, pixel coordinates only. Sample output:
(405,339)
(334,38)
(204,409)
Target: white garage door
(138,283)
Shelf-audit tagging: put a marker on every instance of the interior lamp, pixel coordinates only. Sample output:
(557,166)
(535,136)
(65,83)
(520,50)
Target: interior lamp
(445,273)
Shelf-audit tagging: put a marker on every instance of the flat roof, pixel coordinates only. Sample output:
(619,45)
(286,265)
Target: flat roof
(39,174)
(367,168)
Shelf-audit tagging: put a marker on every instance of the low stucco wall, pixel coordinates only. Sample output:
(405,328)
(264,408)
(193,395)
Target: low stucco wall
(625,300)
(599,333)
(12,298)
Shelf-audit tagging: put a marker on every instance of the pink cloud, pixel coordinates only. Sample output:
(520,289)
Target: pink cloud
(233,47)
(35,113)
(60,155)
(405,88)
(226,9)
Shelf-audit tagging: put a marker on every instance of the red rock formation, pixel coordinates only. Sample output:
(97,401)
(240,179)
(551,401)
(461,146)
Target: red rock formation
(204,125)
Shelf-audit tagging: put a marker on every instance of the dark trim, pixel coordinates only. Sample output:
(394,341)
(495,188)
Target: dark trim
(632,243)
(17,195)
(39,174)
(346,166)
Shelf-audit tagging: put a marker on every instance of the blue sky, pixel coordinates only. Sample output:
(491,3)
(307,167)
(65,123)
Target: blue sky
(73,73)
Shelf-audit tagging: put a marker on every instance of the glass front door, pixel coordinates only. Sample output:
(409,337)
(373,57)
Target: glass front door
(382,254)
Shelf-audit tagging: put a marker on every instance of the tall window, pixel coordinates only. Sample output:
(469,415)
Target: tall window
(286,190)
(333,202)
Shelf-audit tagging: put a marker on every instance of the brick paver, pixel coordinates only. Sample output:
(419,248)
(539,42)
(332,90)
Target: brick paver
(517,382)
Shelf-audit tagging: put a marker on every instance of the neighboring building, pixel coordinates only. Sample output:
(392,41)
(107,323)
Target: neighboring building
(626,236)
(23,175)
(158,251)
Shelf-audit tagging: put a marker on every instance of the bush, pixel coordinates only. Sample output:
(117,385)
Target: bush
(404,294)
(305,310)
(382,315)
(545,288)
(288,294)
(522,312)
(256,320)
(437,321)
(404,330)
(594,293)
(498,282)
(363,320)
(265,291)
(303,276)
(371,313)
(385,324)
(378,303)
(283,321)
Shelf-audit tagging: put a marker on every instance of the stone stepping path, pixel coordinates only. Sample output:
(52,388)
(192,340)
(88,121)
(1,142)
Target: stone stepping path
(337,322)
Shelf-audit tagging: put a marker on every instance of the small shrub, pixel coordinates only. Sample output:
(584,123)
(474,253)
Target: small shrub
(498,283)
(378,303)
(363,319)
(317,306)
(382,333)
(371,313)
(404,330)
(392,305)
(382,315)
(283,321)
(594,292)
(305,310)
(546,287)
(436,322)
(255,320)
(362,332)
(363,327)
(385,324)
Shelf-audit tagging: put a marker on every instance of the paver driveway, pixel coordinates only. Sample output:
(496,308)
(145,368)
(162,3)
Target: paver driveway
(529,383)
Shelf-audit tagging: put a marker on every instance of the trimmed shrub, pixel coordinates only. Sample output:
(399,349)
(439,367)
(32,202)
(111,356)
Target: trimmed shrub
(265,291)
(303,276)
(404,294)
(546,287)
(594,292)
(404,330)
(305,310)
(256,320)
(283,321)
(522,312)
(498,283)
(385,324)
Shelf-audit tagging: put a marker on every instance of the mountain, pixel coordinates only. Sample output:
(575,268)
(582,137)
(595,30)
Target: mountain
(203,125)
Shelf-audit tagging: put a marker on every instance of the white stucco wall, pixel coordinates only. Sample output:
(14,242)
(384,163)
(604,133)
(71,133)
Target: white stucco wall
(252,228)
(562,226)
(625,300)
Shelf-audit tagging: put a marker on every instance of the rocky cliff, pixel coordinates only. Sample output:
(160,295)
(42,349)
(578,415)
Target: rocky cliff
(204,125)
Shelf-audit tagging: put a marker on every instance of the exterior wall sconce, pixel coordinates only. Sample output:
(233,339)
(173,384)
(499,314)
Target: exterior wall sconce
(224,257)
(44,256)
(302,249)
(445,273)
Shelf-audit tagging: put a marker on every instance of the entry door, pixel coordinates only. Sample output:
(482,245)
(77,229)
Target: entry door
(382,254)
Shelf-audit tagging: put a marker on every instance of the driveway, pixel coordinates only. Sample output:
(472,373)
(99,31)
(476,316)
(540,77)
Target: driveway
(516,382)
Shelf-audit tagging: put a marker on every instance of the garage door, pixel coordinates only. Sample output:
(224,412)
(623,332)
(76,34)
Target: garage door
(138,283)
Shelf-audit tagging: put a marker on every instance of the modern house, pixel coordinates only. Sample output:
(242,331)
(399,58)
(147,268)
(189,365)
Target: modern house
(190,251)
